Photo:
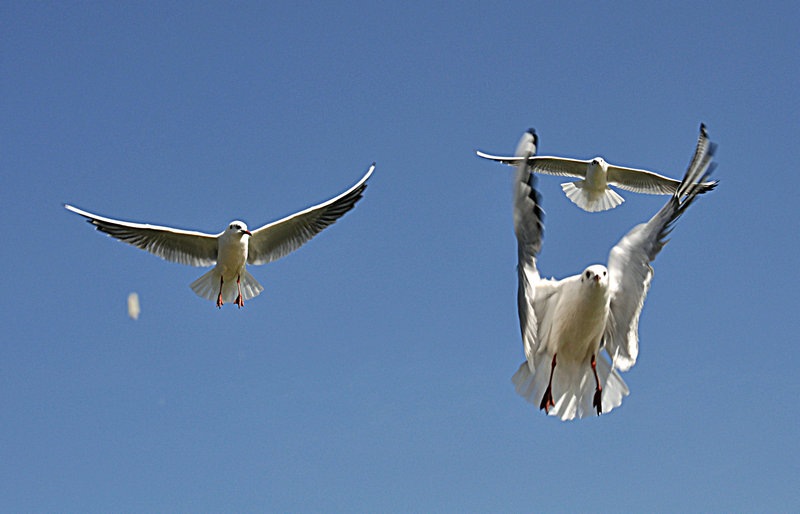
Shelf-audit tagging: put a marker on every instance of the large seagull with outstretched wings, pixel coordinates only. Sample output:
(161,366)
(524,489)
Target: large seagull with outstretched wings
(234,248)
(567,323)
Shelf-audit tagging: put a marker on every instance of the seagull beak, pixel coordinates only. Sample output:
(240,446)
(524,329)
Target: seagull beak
(246,232)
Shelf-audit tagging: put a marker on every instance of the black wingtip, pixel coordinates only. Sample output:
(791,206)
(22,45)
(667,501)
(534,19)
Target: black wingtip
(703,131)
(536,197)
(532,132)
(705,187)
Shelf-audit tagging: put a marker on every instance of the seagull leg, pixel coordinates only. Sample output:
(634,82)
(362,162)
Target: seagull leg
(239,300)
(547,398)
(219,296)
(597,392)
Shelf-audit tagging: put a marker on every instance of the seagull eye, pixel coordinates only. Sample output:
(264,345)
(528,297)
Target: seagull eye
(587,274)
(604,273)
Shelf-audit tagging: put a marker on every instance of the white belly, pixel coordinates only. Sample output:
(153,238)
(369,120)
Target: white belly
(595,179)
(578,327)
(231,259)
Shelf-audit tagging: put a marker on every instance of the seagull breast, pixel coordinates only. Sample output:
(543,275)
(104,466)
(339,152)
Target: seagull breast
(232,253)
(581,315)
(596,175)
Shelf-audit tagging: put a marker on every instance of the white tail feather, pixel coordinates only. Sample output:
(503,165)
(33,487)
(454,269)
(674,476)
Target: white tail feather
(250,286)
(573,387)
(207,287)
(589,200)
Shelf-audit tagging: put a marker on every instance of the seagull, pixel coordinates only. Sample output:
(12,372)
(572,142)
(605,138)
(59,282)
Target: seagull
(566,323)
(592,193)
(235,247)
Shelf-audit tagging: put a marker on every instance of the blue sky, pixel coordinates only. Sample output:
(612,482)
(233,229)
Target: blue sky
(373,373)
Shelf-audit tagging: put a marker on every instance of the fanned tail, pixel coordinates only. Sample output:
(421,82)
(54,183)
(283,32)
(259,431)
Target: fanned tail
(207,286)
(250,286)
(573,387)
(589,200)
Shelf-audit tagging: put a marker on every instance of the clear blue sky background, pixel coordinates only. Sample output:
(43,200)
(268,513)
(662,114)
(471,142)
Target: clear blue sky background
(373,372)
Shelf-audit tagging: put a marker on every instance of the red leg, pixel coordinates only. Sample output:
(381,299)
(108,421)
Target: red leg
(239,300)
(547,398)
(597,392)
(219,296)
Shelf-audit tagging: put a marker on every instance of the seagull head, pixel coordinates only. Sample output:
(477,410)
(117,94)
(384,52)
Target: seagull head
(599,161)
(595,275)
(238,227)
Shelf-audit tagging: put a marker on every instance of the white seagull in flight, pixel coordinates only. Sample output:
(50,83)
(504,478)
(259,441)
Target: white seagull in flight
(566,323)
(592,193)
(235,247)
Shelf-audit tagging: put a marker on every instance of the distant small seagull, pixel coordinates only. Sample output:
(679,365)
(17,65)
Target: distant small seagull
(133,306)
(566,323)
(231,250)
(593,193)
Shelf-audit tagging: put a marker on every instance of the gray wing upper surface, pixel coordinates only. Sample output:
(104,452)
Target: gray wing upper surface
(172,244)
(277,239)
(629,261)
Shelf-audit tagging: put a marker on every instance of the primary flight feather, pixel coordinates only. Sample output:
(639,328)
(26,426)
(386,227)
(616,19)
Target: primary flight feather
(233,248)
(566,323)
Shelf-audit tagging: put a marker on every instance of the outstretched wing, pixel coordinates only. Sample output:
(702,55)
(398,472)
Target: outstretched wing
(532,292)
(172,244)
(559,166)
(277,239)
(649,182)
(641,181)
(629,261)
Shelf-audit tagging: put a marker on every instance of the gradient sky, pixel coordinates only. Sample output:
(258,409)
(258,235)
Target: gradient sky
(373,373)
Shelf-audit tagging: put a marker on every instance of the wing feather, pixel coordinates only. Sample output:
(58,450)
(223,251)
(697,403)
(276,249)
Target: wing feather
(560,166)
(648,182)
(511,161)
(641,181)
(528,226)
(533,292)
(172,244)
(277,239)
(629,261)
